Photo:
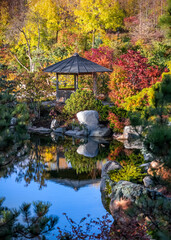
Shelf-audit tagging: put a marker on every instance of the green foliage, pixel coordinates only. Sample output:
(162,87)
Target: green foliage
(81,100)
(129,172)
(158,140)
(34,88)
(11,108)
(81,163)
(158,94)
(154,121)
(141,100)
(108,188)
(118,153)
(165,20)
(33,226)
(158,53)
(105,109)
(163,92)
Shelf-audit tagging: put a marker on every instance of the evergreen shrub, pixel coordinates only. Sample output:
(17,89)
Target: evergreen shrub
(81,100)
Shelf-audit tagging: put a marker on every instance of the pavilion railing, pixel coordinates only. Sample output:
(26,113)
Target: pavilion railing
(64,94)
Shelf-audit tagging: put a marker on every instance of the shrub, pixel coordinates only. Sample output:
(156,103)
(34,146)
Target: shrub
(131,74)
(115,123)
(117,118)
(106,109)
(129,172)
(81,100)
(141,100)
(102,56)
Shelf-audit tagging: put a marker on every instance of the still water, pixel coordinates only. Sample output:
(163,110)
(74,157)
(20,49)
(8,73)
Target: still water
(65,172)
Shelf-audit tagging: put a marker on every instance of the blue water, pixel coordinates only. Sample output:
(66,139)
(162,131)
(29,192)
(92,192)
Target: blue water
(64,199)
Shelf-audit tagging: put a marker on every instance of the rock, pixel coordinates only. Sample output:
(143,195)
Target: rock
(137,144)
(40,130)
(89,118)
(148,157)
(59,130)
(13,121)
(100,140)
(126,194)
(145,165)
(110,165)
(101,132)
(71,133)
(131,132)
(76,129)
(54,124)
(132,191)
(82,133)
(89,149)
(147,181)
(103,183)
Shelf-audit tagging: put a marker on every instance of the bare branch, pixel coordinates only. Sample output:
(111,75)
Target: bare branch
(20,62)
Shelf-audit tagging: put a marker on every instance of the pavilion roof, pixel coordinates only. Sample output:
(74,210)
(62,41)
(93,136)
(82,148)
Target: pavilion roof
(76,65)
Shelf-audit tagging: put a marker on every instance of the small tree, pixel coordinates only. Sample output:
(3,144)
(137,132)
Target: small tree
(33,226)
(34,88)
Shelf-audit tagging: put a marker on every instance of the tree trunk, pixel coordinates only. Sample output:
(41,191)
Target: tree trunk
(93,38)
(95,83)
(140,18)
(57,33)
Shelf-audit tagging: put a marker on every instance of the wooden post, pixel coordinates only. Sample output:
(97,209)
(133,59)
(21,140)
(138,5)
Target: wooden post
(75,84)
(95,83)
(76,81)
(57,86)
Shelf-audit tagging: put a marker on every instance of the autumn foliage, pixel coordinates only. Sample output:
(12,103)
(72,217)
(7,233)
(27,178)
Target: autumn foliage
(131,74)
(115,122)
(102,56)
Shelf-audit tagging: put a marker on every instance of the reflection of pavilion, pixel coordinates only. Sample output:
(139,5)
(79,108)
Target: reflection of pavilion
(60,170)
(76,184)
(62,173)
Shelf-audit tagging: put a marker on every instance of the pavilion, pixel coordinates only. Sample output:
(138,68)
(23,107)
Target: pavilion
(76,66)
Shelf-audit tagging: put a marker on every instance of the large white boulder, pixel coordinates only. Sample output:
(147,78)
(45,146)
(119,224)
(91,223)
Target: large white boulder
(89,118)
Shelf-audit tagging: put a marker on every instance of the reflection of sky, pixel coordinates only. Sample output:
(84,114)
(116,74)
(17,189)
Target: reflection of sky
(76,204)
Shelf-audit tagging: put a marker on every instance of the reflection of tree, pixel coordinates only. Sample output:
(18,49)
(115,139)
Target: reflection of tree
(30,168)
(34,168)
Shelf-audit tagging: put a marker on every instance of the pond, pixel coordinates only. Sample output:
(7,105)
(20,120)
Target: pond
(54,172)
(66,172)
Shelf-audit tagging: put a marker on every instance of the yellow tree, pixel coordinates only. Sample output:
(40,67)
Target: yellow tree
(4,20)
(111,15)
(94,16)
(37,32)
